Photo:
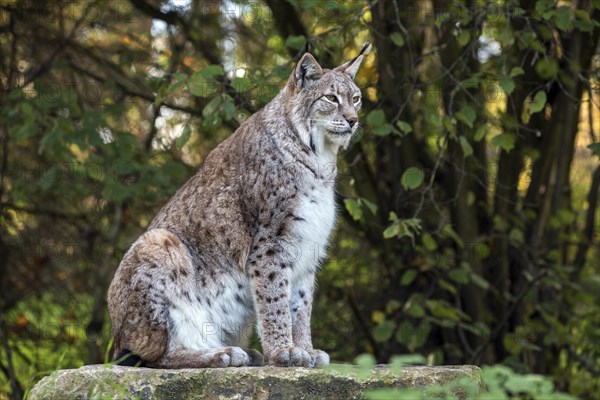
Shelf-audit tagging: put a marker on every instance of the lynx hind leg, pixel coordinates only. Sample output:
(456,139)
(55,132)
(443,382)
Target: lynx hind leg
(159,264)
(137,297)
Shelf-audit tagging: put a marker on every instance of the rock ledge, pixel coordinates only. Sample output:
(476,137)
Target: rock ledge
(115,382)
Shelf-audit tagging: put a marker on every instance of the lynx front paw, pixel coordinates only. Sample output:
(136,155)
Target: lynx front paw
(290,357)
(318,358)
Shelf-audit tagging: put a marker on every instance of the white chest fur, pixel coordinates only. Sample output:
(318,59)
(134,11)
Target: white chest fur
(317,210)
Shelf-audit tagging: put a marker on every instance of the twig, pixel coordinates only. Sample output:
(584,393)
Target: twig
(461,333)
(363,326)
(63,43)
(591,113)
(504,320)
(587,364)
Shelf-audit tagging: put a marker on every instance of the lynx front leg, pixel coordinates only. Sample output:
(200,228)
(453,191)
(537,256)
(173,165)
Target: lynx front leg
(301,308)
(269,269)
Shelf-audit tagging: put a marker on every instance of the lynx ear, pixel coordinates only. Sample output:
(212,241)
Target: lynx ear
(307,69)
(351,67)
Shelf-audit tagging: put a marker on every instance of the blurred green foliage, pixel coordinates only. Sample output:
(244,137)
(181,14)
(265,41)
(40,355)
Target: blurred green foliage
(468,201)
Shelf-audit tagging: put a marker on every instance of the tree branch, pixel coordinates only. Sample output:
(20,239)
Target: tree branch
(173,18)
(170,17)
(64,41)
(287,21)
(588,230)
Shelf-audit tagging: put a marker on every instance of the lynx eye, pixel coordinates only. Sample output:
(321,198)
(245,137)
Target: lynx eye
(356,99)
(331,98)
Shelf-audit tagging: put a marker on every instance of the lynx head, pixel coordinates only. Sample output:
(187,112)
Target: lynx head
(323,104)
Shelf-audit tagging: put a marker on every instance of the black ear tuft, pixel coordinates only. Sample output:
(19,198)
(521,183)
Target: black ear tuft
(306,47)
(307,69)
(351,67)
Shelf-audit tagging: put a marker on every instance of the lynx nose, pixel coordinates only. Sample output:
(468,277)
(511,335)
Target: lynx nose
(351,120)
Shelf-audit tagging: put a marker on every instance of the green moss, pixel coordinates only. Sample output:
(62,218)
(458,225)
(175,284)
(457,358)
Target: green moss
(98,381)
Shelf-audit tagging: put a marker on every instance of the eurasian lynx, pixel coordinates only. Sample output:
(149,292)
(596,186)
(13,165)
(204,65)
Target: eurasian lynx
(236,244)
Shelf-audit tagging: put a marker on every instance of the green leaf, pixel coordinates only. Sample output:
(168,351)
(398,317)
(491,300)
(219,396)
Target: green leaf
(353,207)
(210,71)
(412,178)
(115,191)
(383,130)
(199,86)
(421,334)
(443,309)
(479,281)
(241,84)
(521,383)
(378,316)
(392,306)
(463,38)
(516,236)
(584,22)
(533,105)
(546,68)
(447,286)
(365,360)
(372,207)
(541,6)
(466,146)
(295,42)
(383,332)
(505,141)
(507,84)
(481,132)
(408,277)
(448,231)
(434,119)
(405,332)
(228,110)
(184,137)
(595,148)
(404,126)
(471,82)
(376,118)
(500,223)
(402,227)
(583,15)
(415,310)
(211,107)
(27,130)
(563,18)
(505,35)
(202,83)
(516,71)
(391,231)
(397,39)
(428,242)
(467,115)
(409,359)
(459,275)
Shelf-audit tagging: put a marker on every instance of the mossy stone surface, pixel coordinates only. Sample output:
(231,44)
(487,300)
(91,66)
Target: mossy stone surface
(115,382)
